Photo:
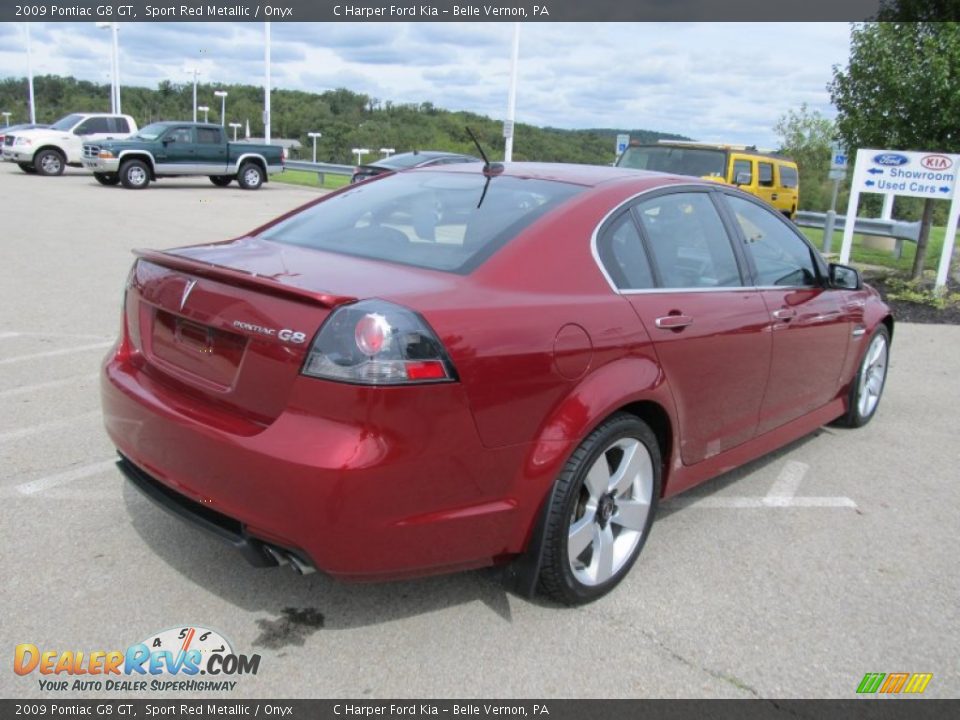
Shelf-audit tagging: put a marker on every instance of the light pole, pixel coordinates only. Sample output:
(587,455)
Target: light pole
(33,109)
(194,72)
(266,83)
(235,126)
(204,109)
(315,135)
(511,97)
(6,121)
(360,152)
(114,65)
(387,152)
(222,94)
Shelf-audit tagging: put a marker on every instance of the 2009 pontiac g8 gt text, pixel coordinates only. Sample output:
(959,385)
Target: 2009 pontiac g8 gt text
(465,366)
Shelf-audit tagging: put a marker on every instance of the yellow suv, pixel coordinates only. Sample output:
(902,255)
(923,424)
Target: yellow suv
(770,177)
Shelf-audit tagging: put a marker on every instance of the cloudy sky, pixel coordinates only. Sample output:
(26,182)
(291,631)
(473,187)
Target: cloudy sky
(711,81)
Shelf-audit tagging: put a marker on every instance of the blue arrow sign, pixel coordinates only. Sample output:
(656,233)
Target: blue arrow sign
(875,171)
(869,183)
(944,189)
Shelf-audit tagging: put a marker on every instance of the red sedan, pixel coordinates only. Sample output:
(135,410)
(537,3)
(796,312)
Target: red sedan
(466,366)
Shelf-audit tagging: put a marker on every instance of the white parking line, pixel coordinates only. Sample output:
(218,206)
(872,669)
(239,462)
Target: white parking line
(53,353)
(781,495)
(45,385)
(43,427)
(45,483)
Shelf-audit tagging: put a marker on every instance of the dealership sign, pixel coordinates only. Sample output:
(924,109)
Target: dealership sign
(909,173)
(915,174)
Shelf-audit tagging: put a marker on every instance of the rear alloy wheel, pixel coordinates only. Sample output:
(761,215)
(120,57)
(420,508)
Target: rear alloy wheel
(107,178)
(135,175)
(27,168)
(867,386)
(49,163)
(221,180)
(250,176)
(601,511)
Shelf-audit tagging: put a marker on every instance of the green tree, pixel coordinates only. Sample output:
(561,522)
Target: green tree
(806,136)
(899,91)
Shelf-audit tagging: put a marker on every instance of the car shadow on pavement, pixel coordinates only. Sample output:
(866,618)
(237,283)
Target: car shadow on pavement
(301,602)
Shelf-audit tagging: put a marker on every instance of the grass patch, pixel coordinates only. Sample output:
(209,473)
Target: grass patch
(871,256)
(309,179)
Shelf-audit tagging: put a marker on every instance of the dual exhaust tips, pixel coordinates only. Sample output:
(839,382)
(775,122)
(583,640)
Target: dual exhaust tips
(285,557)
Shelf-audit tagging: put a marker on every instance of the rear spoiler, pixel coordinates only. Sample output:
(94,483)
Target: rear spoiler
(240,278)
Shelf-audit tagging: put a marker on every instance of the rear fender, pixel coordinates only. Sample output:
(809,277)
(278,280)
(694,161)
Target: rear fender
(599,395)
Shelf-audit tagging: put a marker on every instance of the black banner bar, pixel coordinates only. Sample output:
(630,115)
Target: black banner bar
(913,709)
(466,10)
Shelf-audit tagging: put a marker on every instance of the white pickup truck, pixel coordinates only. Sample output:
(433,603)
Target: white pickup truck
(49,150)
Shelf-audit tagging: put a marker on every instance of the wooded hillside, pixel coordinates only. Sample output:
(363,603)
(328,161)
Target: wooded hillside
(345,118)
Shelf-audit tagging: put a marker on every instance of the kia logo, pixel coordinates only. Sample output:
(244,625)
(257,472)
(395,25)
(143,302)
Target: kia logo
(936,162)
(891,159)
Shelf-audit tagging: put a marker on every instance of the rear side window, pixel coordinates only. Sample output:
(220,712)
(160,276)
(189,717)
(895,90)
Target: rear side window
(788,176)
(622,253)
(118,125)
(208,136)
(688,241)
(435,220)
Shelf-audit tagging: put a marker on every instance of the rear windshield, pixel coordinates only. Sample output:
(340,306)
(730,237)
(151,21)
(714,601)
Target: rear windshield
(435,220)
(698,162)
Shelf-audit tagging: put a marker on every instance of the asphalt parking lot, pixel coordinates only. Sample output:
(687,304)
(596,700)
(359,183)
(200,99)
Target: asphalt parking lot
(791,577)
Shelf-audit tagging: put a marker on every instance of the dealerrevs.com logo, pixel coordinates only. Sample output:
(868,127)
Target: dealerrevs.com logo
(179,659)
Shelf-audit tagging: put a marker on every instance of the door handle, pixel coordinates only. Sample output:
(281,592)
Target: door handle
(673,322)
(784,314)
(773,196)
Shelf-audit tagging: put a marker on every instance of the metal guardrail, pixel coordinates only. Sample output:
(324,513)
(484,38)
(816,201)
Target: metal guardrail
(864,226)
(897,229)
(321,169)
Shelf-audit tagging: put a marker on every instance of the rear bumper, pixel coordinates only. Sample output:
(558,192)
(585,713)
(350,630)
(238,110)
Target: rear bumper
(411,493)
(257,552)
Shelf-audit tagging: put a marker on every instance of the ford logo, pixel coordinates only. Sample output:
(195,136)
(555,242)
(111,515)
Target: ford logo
(891,159)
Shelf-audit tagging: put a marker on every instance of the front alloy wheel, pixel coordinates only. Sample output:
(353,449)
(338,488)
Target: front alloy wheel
(601,511)
(49,163)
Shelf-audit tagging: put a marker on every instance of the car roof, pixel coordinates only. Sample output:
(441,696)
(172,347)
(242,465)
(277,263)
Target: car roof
(587,175)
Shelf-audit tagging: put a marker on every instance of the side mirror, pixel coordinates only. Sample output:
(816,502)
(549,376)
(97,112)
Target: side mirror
(743,178)
(845,277)
(168,140)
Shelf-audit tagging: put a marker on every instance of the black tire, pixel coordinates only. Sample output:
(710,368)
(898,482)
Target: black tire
(135,175)
(49,162)
(221,180)
(568,506)
(250,176)
(107,178)
(860,411)
(28,168)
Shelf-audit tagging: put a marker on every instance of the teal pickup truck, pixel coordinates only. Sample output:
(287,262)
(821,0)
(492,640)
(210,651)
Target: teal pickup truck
(173,149)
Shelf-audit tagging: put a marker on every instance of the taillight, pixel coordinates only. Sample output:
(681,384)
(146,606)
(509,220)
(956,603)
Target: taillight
(375,342)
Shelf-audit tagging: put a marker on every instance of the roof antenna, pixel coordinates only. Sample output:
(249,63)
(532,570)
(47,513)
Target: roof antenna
(489,168)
